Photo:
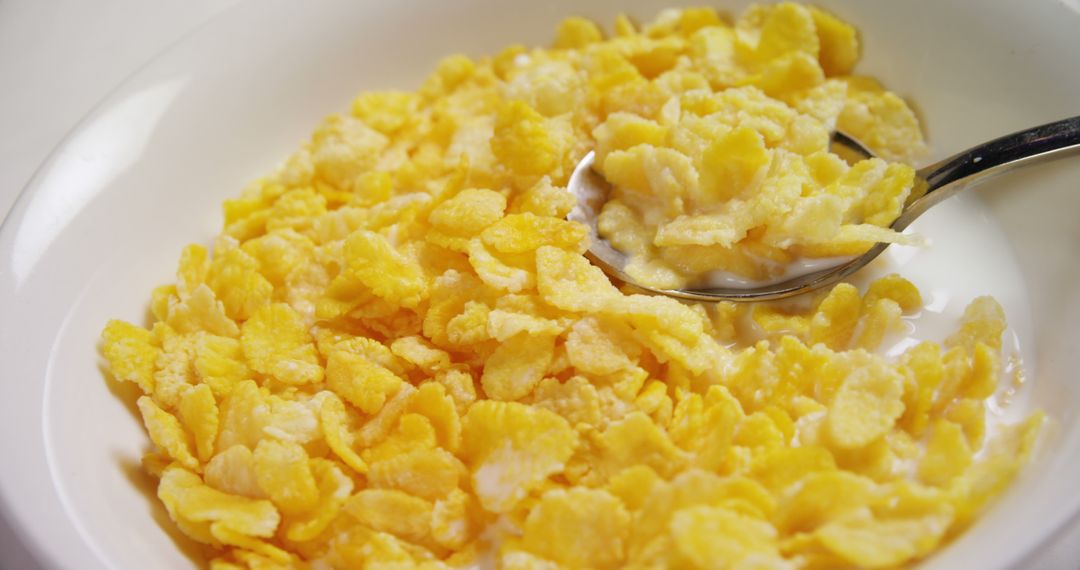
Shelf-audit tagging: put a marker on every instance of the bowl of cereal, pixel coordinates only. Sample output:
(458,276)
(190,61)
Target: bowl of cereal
(249,334)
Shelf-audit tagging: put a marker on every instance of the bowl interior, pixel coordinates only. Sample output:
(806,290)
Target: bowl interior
(105,219)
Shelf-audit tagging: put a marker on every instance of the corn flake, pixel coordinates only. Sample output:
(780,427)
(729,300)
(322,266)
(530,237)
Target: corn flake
(579,528)
(517,366)
(360,382)
(283,472)
(865,408)
(512,448)
(130,353)
(199,415)
(166,432)
(276,343)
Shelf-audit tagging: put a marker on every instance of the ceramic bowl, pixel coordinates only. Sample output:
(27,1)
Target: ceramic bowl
(105,218)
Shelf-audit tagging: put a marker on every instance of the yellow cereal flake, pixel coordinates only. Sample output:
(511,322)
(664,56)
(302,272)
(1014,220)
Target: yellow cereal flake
(836,317)
(839,43)
(576,33)
(517,366)
(865,407)
(512,448)
(882,121)
(235,279)
(970,415)
(293,419)
(896,288)
(199,415)
(459,386)
(219,363)
(454,519)
(334,488)
(200,311)
(333,418)
(376,429)
(636,440)
(983,322)
(504,324)
(188,499)
(988,477)
(276,343)
(399,354)
(173,373)
(862,540)
(468,213)
(283,472)
(374,265)
(880,319)
(633,486)
(779,468)
(923,371)
(592,349)
(279,253)
(386,111)
(433,401)
(821,497)
(191,270)
(521,142)
(419,352)
(408,433)
(623,131)
(733,164)
(392,511)
(708,535)
(521,233)
(544,199)
(579,528)
(233,471)
(244,414)
(130,353)
(947,454)
(263,550)
(429,473)
(498,272)
(329,341)
(567,281)
(576,400)
(166,432)
(360,382)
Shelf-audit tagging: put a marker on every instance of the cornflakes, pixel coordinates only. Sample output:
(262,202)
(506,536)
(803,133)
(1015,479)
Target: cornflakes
(397,355)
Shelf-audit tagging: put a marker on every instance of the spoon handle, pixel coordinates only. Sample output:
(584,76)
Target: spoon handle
(979,163)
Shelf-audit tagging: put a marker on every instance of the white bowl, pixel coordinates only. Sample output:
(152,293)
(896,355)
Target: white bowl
(144,174)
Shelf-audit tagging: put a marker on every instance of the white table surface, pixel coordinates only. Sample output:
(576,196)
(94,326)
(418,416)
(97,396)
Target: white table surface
(60,57)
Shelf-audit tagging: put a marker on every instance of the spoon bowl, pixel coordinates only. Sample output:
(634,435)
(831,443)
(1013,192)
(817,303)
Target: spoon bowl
(933,184)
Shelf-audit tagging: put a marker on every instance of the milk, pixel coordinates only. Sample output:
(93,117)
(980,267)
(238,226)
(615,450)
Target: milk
(967,256)
(797,268)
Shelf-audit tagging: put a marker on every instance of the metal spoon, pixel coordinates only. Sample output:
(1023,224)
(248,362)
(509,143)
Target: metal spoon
(940,181)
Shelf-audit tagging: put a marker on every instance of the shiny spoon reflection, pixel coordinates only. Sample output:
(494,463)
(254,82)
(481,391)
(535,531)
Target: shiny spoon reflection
(933,184)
